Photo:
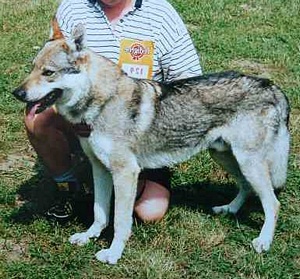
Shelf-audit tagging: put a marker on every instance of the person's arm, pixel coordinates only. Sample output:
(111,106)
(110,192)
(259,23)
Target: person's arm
(180,60)
(183,59)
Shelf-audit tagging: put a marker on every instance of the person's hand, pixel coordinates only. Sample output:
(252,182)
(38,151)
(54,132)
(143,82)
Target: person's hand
(82,130)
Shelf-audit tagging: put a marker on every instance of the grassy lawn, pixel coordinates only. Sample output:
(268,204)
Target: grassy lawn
(258,37)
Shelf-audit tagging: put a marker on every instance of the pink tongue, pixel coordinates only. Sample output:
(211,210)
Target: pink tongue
(32,111)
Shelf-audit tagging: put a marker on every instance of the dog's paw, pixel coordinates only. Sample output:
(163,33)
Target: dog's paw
(79,238)
(109,256)
(222,209)
(261,244)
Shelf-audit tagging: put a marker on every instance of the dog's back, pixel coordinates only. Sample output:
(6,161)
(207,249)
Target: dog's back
(199,113)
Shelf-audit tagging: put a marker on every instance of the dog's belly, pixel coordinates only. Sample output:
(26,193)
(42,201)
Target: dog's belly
(164,158)
(167,158)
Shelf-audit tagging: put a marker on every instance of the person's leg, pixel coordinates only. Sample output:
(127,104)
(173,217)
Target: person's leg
(50,134)
(153,195)
(46,133)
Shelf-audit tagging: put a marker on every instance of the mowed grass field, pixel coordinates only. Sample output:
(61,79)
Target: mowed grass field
(258,37)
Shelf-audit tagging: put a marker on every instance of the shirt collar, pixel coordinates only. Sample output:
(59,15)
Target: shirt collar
(137,5)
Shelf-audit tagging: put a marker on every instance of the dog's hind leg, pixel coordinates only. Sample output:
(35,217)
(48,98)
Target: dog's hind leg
(125,179)
(102,198)
(278,157)
(256,171)
(227,160)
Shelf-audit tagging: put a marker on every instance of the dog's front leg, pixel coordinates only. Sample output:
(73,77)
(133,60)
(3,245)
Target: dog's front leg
(102,192)
(125,185)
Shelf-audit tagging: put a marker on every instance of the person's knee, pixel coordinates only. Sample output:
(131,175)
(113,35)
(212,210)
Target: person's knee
(151,211)
(38,125)
(153,204)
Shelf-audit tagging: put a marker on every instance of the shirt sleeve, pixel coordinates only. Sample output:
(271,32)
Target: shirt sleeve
(184,61)
(180,58)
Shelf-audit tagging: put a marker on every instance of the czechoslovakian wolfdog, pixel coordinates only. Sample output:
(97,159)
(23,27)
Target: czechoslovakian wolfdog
(242,121)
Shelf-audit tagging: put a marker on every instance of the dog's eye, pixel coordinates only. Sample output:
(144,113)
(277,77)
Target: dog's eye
(48,73)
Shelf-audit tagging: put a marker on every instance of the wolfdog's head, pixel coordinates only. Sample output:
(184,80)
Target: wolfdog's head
(56,71)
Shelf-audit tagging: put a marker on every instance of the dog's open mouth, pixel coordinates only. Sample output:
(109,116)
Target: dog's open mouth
(46,102)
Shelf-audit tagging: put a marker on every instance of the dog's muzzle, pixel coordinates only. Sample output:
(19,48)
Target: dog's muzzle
(43,103)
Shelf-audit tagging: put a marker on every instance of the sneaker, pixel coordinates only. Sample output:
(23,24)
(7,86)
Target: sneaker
(69,194)
(62,210)
(63,207)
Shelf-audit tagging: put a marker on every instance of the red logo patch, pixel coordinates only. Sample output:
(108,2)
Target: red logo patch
(137,51)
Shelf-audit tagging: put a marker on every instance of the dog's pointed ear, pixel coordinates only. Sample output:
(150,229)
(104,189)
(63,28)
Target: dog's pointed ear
(78,35)
(55,30)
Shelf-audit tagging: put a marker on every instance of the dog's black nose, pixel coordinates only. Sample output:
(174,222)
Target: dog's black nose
(20,94)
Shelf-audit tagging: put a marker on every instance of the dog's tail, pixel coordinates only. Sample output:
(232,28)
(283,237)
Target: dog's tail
(278,155)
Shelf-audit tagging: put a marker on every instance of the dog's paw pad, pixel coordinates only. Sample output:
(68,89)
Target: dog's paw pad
(261,244)
(79,238)
(108,256)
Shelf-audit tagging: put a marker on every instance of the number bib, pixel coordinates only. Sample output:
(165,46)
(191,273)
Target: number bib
(136,58)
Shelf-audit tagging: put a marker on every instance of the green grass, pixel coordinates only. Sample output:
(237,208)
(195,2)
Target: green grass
(259,37)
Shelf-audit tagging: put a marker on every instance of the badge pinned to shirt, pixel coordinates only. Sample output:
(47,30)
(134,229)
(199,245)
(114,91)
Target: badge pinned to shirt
(136,58)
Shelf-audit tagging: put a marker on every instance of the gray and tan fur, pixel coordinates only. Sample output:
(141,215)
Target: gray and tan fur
(136,124)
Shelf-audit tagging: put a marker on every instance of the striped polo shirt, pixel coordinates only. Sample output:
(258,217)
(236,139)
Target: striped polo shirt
(149,20)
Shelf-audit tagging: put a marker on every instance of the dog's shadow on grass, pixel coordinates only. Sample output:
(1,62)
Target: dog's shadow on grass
(205,195)
(33,197)
(38,193)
